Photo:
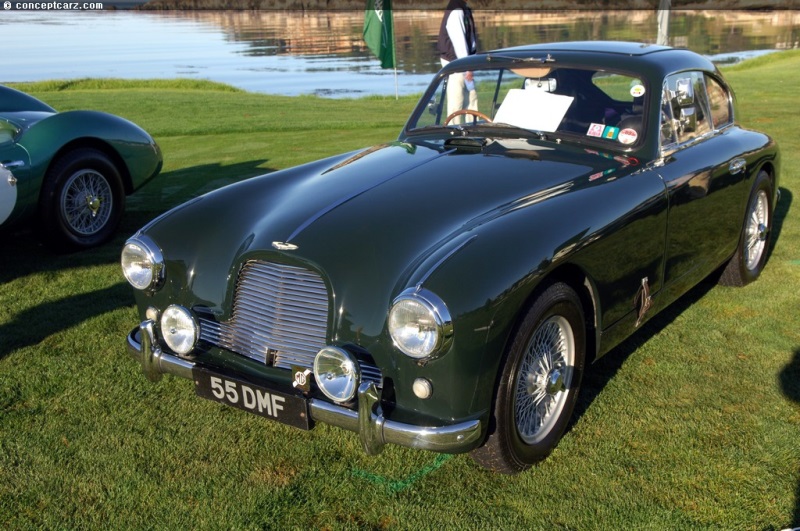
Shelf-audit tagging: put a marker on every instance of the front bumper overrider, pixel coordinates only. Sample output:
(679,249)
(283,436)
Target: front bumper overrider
(368,421)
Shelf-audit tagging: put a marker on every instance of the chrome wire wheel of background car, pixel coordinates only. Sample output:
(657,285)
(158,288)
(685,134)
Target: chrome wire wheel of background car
(538,383)
(751,254)
(82,200)
(544,379)
(86,201)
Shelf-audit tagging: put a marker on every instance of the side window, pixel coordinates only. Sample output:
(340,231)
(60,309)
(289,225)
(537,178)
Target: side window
(720,102)
(688,102)
(668,136)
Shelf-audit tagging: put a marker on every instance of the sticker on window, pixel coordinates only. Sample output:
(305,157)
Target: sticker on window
(627,136)
(637,91)
(595,130)
(610,132)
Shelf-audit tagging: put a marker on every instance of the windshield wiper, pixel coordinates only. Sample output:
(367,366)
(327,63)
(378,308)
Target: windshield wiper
(541,135)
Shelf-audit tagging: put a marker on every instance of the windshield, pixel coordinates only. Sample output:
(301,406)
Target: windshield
(599,105)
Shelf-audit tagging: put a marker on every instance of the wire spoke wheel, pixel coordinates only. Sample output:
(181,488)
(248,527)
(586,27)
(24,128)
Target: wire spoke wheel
(86,202)
(752,251)
(544,379)
(82,200)
(538,382)
(756,231)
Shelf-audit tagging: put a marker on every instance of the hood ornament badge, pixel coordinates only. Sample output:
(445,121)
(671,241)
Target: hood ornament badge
(284,246)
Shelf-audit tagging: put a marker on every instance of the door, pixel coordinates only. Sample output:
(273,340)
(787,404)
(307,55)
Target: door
(704,173)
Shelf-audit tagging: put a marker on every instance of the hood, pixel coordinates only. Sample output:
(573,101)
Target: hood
(24,120)
(364,220)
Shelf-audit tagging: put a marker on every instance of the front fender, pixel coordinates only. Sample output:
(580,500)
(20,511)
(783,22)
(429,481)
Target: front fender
(135,148)
(612,233)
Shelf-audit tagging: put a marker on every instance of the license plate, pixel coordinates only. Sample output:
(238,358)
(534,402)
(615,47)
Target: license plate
(259,400)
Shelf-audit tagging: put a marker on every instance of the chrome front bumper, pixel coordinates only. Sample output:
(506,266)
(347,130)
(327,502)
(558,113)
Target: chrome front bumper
(373,428)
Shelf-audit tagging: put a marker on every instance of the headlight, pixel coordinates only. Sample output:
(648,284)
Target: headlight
(142,263)
(179,329)
(420,324)
(337,373)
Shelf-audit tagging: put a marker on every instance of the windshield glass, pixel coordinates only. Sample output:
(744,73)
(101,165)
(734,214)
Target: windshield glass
(596,104)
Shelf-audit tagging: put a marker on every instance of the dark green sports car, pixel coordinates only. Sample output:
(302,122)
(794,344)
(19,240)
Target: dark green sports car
(446,291)
(69,172)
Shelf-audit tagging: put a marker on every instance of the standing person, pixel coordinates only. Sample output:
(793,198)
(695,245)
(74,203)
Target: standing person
(457,39)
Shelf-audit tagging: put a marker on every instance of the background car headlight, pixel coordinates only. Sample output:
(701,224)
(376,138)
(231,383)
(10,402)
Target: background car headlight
(179,329)
(337,373)
(420,324)
(142,263)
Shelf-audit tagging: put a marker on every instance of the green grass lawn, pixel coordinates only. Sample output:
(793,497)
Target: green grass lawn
(692,423)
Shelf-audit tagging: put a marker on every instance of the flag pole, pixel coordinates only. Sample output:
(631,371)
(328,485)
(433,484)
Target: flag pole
(394,60)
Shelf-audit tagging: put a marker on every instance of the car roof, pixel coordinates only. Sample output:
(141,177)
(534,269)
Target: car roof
(647,59)
(610,47)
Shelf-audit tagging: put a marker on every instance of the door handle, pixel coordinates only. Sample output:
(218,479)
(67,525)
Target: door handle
(737,166)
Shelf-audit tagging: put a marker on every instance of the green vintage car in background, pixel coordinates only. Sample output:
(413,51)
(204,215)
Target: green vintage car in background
(446,291)
(68,173)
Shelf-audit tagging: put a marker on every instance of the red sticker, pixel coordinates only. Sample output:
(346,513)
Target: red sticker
(627,136)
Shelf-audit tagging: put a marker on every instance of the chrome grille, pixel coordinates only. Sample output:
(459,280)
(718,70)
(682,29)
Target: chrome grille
(279,317)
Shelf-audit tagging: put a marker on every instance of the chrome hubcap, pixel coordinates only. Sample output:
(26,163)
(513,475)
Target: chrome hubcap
(544,377)
(86,202)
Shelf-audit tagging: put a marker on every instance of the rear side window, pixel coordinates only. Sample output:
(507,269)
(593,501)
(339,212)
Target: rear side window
(685,107)
(720,102)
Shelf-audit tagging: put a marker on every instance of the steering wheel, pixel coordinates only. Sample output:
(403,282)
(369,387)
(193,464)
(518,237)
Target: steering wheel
(462,112)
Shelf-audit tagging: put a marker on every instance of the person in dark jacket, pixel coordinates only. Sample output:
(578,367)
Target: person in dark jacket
(457,39)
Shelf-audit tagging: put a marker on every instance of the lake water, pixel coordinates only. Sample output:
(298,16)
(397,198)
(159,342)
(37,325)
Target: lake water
(323,53)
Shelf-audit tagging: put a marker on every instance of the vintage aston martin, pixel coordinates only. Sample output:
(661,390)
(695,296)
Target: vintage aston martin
(68,173)
(447,290)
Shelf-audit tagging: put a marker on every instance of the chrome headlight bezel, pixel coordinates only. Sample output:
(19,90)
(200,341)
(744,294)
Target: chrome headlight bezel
(142,251)
(179,329)
(433,322)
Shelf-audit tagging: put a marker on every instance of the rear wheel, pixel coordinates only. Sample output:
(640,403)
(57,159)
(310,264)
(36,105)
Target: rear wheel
(751,254)
(82,200)
(538,384)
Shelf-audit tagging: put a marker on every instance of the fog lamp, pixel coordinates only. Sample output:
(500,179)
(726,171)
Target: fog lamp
(337,373)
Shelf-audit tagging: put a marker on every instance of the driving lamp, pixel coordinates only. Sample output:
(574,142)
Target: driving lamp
(179,329)
(337,373)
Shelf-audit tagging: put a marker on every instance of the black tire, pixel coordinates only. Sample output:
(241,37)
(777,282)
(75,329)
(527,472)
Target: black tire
(529,373)
(82,200)
(751,254)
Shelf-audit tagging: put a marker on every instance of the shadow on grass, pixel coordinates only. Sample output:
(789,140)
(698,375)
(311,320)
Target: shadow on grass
(603,370)
(24,254)
(36,324)
(781,213)
(789,379)
(175,187)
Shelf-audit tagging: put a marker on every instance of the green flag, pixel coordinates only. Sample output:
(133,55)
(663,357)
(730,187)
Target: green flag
(379,31)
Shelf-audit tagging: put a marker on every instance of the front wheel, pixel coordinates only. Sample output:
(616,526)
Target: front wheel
(751,254)
(82,200)
(539,383)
